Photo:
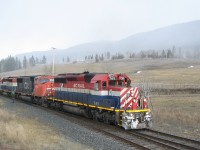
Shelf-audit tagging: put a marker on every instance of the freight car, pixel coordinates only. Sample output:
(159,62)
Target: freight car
(104,97)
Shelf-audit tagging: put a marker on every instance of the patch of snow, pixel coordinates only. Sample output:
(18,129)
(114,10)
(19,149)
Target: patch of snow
(191,67)
(139,72)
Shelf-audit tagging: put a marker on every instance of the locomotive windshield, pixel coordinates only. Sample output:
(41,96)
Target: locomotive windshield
(112,82)
(120,80)
(128,83)
(44,80)
(121,83)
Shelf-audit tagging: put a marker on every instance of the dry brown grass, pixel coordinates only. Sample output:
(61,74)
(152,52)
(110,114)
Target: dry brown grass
(25,134)
(180,112)
(174,75)
(157,71)
(177,116)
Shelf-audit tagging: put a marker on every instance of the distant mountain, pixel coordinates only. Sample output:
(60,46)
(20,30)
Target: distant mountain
(82,50)
(185,36)
(77,52)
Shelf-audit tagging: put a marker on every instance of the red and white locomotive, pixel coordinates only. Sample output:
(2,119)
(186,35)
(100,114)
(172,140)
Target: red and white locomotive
(105,97)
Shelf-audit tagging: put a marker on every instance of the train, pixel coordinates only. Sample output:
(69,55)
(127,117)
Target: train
(104,97)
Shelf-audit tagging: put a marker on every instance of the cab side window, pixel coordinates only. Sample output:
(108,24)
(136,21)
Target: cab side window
(44,80)
(36,81)
(103,85)
(112,83)
(121,83)
(96,86)
(128,83)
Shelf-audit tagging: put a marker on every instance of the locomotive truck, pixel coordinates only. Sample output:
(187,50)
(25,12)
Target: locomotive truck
(100,96)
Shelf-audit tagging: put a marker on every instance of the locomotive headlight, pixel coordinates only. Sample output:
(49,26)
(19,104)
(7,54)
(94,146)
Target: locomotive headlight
(148,114)
(132,116)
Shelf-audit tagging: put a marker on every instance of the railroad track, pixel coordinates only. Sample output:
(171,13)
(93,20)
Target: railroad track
(153,142)
(140,139)
(175,142)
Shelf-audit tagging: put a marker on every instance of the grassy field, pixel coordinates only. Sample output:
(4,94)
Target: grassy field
(173,71)
(26,134)
(177,114)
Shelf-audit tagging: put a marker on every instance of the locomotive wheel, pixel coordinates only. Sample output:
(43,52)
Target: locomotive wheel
(105,120)
(48,103)
(32,99)
(60,106)
(16,96)
(44,102)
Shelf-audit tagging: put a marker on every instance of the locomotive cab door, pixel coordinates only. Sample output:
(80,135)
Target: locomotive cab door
(36,86)
(104,85)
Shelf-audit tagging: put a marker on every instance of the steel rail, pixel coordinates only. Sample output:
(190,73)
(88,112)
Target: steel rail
(174,136)
(166,142)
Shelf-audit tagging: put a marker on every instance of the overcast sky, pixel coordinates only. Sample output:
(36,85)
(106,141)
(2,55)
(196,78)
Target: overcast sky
(34,25)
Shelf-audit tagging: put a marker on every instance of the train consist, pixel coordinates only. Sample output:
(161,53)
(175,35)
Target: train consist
(100,96)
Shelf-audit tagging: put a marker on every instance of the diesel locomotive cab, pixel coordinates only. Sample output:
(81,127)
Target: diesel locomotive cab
(133,107)
(44,86)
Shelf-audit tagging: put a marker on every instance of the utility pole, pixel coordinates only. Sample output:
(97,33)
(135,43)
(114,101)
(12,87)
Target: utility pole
(53,63)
